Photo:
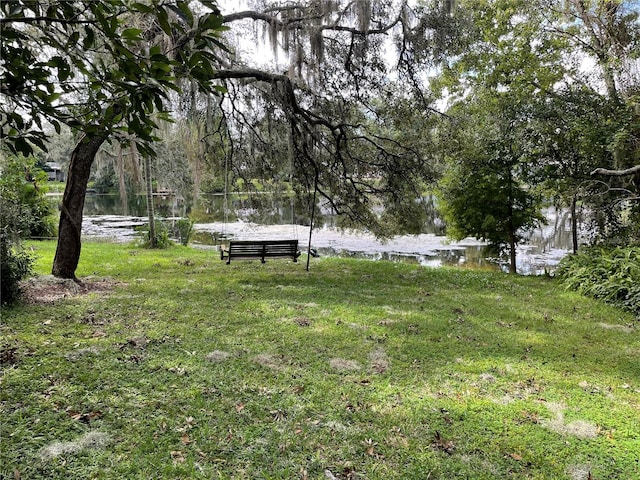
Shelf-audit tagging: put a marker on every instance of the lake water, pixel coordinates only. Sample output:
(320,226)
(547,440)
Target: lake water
(266,217)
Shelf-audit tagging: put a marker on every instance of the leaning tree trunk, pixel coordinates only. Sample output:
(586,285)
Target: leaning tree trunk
(70,227)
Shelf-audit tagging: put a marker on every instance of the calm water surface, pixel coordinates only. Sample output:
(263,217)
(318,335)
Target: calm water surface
(266,217)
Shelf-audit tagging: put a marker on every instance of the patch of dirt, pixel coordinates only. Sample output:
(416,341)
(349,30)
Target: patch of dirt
(268,360)
(90,440)
(578,428)
(8,355)
(621,328)
(48,290)
(379,361)
(343,365)
(579,472)
(217,356)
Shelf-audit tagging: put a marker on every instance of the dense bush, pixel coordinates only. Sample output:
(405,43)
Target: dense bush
(16,264)
(609,274)
(24,211)
(183,229)
(162,239)
(24,185)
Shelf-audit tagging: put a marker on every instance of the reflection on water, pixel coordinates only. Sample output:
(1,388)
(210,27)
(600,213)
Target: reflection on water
(267,216)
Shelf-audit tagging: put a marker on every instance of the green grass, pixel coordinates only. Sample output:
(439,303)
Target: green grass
(193,369)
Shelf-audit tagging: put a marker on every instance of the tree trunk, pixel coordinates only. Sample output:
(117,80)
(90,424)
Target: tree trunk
(574,224)
(511,227)
(512,251)
(122,183)
(70,227)
(153,236)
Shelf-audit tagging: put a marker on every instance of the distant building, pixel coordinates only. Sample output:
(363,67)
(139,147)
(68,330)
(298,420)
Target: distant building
(55,172)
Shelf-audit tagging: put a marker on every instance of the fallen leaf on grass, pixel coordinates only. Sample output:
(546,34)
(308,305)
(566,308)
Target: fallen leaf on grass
(185,439)
(278,415)
(240,407)
(84,417)
(369,445)
(178,371)
(440,443)
(329,476)
(177,457)
(516,457)
(8,355)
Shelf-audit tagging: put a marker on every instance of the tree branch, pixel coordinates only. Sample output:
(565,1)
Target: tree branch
(617,173)
(272,19)
(45,20)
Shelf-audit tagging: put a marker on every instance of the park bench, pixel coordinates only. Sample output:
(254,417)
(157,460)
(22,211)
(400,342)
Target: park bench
(262,249)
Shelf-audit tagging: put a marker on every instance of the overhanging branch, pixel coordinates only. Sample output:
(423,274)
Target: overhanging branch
(617,173)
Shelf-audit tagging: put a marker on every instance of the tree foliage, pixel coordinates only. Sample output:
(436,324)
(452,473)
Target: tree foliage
(105,69)
(486,189)
(24,212)
(564,124)
(328,120)
(83,65)
(23,187)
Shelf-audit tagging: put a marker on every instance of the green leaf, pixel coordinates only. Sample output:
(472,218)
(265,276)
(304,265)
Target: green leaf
(184,8)
(163,19)
(53,97)
(22,146)
(73,39)
(39,142)
(89,38)
(132,34)
(141,7)
(211,21)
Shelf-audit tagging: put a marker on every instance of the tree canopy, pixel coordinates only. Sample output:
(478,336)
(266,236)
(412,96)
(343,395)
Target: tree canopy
(566,71)
(100,67)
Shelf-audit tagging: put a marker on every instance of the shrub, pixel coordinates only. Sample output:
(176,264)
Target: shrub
(14,266)
(184,229)
(24,211)
(24,185)
(162,236)
(609,274)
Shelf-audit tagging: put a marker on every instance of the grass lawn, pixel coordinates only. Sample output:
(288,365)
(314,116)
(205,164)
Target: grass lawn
(190,368)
